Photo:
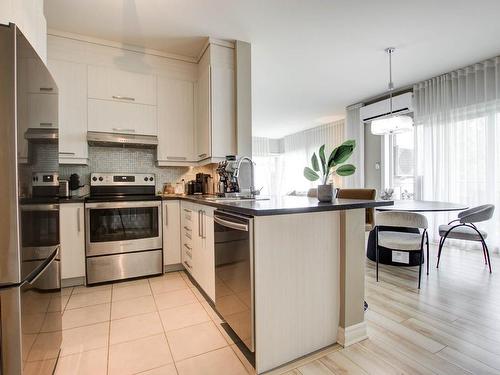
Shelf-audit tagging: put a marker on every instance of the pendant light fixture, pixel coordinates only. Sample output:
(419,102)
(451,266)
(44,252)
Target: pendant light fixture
(392,123)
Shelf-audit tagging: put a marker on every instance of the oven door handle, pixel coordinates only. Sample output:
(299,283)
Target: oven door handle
(129,204)
(40,207)
(231,224)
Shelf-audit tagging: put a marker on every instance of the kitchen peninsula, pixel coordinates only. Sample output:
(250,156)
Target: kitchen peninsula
(307,271)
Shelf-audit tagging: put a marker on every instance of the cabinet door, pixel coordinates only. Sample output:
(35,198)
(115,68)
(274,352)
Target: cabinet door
(71,80)
(208,252)
(175,120)
(42,111)
(116,117)
(72,240)
(223,111)
(187,235)
(203,134)
(198,269)
(120,85)
(171,233)
(39,82)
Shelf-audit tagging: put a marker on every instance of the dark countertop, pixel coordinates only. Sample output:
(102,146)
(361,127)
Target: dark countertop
(282,205)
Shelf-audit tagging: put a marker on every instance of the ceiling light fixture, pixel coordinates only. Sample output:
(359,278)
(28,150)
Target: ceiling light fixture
(392,123)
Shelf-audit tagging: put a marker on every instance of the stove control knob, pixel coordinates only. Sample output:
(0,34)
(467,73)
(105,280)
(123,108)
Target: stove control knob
(100,178)
(145,178)
(94,178)
(150,178)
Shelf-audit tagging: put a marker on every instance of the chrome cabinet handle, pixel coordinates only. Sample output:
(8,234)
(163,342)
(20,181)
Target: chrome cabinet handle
(78,219)
(46,89)
(124,130)
(203,235)
(176,158)
(187,228)
(202,155)
(119,97)
(46,124)
(66,153)
(185,209)
(165,215)
(187,264)
(188,247)
(199,223)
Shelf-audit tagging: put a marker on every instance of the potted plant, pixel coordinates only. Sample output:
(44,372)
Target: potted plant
(324,168)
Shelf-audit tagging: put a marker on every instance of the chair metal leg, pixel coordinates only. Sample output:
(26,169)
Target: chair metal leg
(376,251)
(428,260)
(420,266)
(484,253)
(487,254)
(441,243)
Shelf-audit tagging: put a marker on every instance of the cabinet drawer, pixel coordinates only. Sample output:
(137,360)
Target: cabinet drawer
(121,86)
(114,117)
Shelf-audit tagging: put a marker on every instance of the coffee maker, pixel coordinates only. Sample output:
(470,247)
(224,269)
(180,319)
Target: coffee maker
(204,184)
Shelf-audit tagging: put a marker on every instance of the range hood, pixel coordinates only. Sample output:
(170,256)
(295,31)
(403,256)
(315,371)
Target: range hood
(42,135)
(120,139)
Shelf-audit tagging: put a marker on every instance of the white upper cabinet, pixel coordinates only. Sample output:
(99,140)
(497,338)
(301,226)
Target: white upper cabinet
(38,81)
(122,86)
(115,117)
(42,111)
(71,79)
(175,121)
(216,104)
(203,123)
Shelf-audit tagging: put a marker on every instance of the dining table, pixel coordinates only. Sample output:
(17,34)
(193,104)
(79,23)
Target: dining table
(386,256)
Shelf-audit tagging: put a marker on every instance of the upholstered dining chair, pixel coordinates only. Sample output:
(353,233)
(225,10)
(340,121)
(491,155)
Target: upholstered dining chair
(465,229)
(402,241)
(367,194)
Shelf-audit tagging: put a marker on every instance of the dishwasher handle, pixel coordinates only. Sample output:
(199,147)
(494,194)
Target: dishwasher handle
(231,224)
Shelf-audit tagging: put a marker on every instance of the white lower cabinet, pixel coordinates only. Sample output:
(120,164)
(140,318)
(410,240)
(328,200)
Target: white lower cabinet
(203,249)
(187,234)
(171,232)
(72,234)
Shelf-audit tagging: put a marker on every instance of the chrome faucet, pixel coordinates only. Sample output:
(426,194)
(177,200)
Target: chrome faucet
(236,173)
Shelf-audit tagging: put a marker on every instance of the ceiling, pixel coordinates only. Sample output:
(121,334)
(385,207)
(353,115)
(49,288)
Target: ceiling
(310,59)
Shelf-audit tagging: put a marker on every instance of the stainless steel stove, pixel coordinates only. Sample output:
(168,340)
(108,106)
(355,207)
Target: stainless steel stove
(123,227)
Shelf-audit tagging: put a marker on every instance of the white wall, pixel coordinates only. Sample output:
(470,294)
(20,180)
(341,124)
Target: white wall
(29,17)
(373,155)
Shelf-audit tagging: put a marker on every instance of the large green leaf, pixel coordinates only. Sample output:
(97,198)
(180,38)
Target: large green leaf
(323,159)
(314,162)
(331,162)
(310,174)
(343,153)
(350,142)
(346,170)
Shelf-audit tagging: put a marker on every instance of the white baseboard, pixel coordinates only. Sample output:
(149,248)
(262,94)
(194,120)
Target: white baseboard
(352,334)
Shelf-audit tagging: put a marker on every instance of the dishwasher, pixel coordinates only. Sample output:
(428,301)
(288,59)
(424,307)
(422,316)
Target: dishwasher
(234,281)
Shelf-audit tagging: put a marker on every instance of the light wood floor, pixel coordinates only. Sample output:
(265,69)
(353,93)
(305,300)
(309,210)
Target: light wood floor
(450,326)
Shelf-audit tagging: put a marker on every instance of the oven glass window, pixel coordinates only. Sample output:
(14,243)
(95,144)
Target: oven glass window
(39,228)
(121,224)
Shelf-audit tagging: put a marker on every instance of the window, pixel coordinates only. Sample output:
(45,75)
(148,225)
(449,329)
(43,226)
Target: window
(399,173)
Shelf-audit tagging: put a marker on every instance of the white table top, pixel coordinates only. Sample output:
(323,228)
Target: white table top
(423,206)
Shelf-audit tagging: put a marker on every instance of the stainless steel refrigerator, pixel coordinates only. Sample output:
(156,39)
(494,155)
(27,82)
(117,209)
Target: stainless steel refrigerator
(30,282)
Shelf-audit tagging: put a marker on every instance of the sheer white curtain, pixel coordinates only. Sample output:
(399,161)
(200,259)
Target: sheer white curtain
(280,163)
(457,141)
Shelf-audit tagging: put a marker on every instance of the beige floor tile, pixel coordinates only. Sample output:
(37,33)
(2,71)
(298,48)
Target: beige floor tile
(86,338)
(58,303)
(67,291)
(39,367)
(194,340)
(46,346)
(131,307)
(183,316)
(88,299)
(28,341)
(90,289)
(93,362)
(123,284)
(135,327)
(248,366)
(175,298)
(217,362)
(211,312)
(132,291)
(163,370)
(198,294)
(163,284)
(135,356)
(79,317)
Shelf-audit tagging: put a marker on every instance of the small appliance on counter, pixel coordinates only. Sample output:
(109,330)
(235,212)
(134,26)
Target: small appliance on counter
(64,189)
(205,182)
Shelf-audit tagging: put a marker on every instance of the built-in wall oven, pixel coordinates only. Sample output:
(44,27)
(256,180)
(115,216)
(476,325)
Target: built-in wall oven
(234,281)
(123,222)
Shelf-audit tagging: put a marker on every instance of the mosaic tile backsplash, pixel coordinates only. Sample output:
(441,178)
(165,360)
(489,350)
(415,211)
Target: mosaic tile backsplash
(130,160)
